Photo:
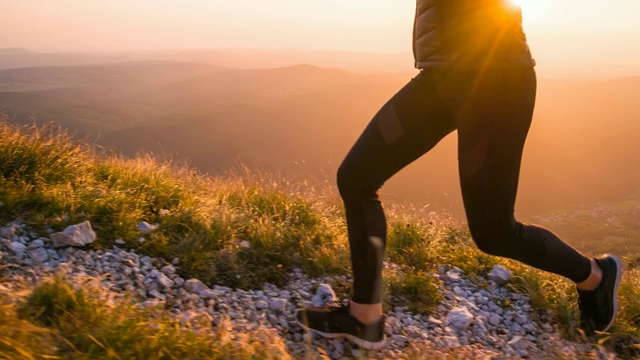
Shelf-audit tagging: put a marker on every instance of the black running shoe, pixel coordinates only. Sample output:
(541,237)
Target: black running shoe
(598,308)
(336,321)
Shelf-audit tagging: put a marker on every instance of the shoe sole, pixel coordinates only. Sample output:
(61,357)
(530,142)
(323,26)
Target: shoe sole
(615,289)
(369,345)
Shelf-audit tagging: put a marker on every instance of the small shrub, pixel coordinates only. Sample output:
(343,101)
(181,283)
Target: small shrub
(416,289)
(52,301)
(85,326)
(21,340)
(410,245)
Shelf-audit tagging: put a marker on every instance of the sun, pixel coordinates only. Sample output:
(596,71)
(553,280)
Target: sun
(535,11)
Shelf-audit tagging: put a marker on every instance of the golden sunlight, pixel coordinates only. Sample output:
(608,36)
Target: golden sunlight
(536,12)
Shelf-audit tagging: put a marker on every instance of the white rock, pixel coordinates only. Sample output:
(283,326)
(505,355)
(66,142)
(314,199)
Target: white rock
(413,331)
(449,342)
(151,303)
(208,294)
(520,319)
(337,344)
(39,255)
(146,228)
(194,286)
(494,319)
(548,328)
(434,321)
(18,248)
(399,340)
(530,328)
(394,323)
(38,243)
(163,280)
(284,324)
(519,343)
(8,232)
(245,244)
(324,295)
(168,270)
(449,295)
(74,235)
(121,242)
(157,295)
(500,274)
(453,276)
(261,305)
(164,212)
(522,353)
(278,305)
(479,330)
(459,292)
(459,318)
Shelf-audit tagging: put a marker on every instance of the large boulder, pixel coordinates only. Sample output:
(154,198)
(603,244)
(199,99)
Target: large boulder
(146,228)
(195,286)
(459,318)
(324,295)
(74,235)
(500,274)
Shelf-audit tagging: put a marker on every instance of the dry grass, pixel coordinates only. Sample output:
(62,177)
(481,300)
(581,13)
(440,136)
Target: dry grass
(50,181)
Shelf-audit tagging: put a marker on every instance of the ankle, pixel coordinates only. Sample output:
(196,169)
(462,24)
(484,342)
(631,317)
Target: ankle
(366,313)
(594,279)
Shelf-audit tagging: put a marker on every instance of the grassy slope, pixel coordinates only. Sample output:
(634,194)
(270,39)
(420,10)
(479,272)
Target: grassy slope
(192,110)
(49,181)
(600,228)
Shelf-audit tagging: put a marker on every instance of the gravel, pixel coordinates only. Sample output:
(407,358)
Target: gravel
(469,320)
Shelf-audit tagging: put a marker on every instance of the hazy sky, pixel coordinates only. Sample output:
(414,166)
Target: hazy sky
(556,28)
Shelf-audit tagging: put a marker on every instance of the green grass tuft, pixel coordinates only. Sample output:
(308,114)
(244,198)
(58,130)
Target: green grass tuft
(205,222)
(415,288)
(58,320)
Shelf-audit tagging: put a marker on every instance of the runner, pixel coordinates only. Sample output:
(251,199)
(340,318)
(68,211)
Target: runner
(477,77)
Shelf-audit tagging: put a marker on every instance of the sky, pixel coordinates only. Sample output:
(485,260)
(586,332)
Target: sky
(591,30)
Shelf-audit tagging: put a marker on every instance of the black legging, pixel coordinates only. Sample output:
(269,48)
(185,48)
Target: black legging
(492,112)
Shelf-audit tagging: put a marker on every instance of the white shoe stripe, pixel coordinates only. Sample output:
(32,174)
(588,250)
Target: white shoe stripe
(615,290)
(369,345)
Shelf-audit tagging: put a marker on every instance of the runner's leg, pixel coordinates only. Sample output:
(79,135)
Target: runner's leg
(408,126)
(492,130)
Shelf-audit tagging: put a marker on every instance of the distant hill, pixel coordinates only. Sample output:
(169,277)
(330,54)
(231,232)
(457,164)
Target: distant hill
(15,51)
(233,58)
(303,119)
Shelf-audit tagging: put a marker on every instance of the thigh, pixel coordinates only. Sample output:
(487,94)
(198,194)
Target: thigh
(406,127)
(491,139)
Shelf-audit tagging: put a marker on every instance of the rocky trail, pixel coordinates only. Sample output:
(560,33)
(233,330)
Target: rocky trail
(471,322)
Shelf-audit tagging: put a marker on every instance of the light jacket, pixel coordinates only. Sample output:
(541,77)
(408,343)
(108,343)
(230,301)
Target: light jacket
(469,34)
